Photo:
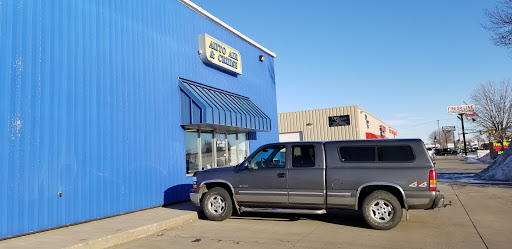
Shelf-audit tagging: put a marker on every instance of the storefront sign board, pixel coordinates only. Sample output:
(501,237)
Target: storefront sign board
(448,128)
(339,120)
(219,55)
(461,109)
(497,148)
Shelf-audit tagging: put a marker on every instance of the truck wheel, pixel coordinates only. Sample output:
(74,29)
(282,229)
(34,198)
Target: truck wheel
(382,210)
(217,204)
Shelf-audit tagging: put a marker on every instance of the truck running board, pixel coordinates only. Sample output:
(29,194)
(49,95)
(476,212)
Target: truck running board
(283,210)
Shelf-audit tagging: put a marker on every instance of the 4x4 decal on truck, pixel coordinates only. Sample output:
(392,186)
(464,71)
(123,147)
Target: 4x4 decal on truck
(416,184)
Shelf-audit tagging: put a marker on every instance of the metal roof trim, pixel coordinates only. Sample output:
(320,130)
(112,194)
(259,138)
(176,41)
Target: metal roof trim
(214,19)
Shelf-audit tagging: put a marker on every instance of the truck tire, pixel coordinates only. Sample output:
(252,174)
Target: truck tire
(217,204)
(382,210)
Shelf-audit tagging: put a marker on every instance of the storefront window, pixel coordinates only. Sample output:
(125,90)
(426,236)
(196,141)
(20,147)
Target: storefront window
(242,147)
(191,151)
(207,150)
(232,160)
(221,149)
(202,153)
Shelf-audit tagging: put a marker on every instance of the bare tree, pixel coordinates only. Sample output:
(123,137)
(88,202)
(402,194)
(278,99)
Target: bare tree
(478,139)
(493,103)
(500,24)
(438,137)
(442,138)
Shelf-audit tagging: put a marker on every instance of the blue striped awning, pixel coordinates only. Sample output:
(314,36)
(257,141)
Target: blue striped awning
(203,106)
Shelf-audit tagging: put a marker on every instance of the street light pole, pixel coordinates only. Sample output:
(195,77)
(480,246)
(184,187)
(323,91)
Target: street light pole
(438,133)
(453,134)
(463,133)
(445,139)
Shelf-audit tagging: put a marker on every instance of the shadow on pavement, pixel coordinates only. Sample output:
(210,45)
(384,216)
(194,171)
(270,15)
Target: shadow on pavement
(350,218)
(185,206)
(176,193)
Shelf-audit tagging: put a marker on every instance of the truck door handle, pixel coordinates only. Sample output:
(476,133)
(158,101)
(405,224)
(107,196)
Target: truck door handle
(281,175)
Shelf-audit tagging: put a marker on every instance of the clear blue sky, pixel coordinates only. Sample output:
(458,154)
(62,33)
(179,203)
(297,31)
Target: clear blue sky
(402,61)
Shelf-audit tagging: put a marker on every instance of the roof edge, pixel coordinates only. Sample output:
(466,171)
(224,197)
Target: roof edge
(361,109)
(320,109)
(214,19)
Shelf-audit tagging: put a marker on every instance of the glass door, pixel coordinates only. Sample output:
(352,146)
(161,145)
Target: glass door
(192,151)
(232,160)
(206,150)
(221,149)
(242,150)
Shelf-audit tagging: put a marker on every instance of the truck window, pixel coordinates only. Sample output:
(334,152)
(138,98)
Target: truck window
(303,156)
(270,157)
(402,153)
(357,154)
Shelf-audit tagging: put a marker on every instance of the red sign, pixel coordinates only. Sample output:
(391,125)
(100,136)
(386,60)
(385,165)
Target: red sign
(461,109)
(468,115)
(374,136)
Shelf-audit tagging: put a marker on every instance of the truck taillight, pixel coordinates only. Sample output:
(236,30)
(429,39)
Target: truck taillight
(432,175)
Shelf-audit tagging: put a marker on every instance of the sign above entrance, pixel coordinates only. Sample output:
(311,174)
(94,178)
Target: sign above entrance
(217,54)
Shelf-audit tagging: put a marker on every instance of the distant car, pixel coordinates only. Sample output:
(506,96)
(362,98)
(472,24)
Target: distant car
(438,151)
(470,149)
(445,151)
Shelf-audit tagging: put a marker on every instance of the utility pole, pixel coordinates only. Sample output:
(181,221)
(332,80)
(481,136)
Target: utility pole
(463,133)
(453,135)
(445,139)
(438,133)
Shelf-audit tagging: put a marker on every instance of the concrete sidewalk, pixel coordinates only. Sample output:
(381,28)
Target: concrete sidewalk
(109,232)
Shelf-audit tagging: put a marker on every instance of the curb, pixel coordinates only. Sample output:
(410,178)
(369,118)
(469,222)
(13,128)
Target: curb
(137,233)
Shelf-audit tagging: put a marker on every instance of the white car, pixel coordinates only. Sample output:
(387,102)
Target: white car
(431,153)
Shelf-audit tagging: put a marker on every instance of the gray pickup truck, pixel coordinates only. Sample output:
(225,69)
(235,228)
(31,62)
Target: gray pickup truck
(379,177)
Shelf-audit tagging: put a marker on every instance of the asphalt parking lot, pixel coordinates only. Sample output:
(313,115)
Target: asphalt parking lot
(478,218)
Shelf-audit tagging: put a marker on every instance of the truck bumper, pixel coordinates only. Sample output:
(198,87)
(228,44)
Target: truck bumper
(195,197)
(438,201)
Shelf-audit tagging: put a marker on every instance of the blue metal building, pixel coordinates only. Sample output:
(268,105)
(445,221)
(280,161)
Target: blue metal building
(108,107)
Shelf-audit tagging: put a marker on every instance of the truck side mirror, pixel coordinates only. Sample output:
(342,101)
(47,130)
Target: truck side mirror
(249,165)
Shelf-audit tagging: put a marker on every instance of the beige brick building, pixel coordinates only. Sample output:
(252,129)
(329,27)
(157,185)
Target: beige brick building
(337,123)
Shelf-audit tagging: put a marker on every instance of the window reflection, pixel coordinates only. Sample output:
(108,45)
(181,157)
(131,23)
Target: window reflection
(191,151)
(201,153)
(272,157)
(232,160)
(207,149)
(221,149)
(242,148)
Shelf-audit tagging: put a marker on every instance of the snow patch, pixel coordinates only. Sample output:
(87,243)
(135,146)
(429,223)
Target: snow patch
(486,158)
(500,169)
(471,160)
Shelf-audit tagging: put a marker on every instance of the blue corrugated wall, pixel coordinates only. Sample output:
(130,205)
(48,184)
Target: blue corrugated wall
(89,106)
